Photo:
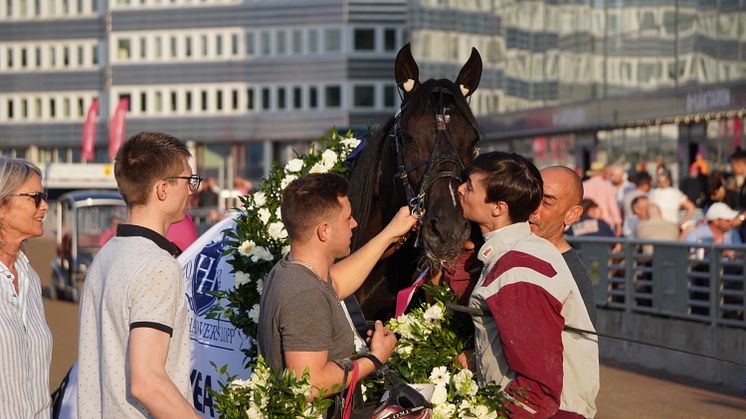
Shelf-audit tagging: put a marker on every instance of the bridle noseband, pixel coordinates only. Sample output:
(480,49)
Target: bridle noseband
(416,201)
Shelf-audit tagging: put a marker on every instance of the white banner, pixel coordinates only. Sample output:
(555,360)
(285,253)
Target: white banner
(216,341)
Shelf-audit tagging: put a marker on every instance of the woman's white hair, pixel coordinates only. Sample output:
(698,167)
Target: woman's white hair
(13,173)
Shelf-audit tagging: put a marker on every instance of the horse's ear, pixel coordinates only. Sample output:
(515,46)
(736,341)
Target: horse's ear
(470,74)
(406,71)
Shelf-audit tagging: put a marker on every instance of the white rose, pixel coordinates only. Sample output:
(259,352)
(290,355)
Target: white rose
(246,247)
(259,286)
(264,215)
(433,314)
(440,395)
(240,278)
(261,253)
(254,412)
(294,166)
(404,350)
(329,157)
(285,250)
(254,313)
(444,411)
(351,143)
(278,213)
(482,412)
(260,199)
(238,383)
(277,231)
(464,383)
(287,180)
(440,375)
(319,167)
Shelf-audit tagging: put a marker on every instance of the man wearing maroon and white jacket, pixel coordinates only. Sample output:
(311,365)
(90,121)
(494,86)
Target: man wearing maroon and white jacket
(530,295)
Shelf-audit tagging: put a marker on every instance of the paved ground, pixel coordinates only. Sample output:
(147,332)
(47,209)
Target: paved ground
(624,394)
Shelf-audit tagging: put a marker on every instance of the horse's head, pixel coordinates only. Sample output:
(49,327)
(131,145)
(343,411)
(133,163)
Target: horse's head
(434,136)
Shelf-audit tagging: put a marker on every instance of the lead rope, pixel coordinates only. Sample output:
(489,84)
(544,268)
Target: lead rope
(479,313)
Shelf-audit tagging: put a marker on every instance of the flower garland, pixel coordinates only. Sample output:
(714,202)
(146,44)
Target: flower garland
(428,346)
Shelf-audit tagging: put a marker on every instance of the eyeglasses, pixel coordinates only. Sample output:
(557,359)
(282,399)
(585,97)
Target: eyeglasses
(37,196)
(194,180)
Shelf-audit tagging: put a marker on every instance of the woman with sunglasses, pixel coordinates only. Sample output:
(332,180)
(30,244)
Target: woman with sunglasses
(25,339)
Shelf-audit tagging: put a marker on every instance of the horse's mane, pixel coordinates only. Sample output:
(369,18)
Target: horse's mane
(362,180)
(364,173)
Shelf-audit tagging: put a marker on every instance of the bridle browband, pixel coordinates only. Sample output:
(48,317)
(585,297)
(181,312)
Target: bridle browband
(416,201)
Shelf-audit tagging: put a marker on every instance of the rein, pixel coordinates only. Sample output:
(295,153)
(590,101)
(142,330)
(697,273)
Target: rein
(416,201)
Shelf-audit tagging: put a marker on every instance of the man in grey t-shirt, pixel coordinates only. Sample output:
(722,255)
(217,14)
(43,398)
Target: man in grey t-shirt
(301,322)
(560,208)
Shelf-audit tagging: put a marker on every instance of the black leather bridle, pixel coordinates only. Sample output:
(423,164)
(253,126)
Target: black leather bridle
(416,201)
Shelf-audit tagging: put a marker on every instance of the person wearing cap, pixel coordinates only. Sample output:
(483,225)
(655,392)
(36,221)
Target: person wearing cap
(603,193)
(719,227)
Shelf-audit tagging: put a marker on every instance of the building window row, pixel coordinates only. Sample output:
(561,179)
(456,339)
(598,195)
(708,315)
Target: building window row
(227,99)
(47,9)
(175,45)
(45,107)
(49,56)
(154,4)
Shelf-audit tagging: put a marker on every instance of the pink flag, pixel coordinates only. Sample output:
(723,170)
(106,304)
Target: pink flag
(89,132)
(404,297)
(116,130)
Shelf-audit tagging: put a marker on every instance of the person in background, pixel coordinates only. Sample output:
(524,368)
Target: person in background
(642,181)
(639,213)
(590,223)
(715,190)
(670,200)
(655,228)
(559,209)
(528,295)
(183,233)
(618,178)
(719,227)
(210,193)
(694,185)
(26,341)
(736,191)
(603,193)
(133,340)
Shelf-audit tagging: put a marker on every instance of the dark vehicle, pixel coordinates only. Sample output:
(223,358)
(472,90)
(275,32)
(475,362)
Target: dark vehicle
(84,221)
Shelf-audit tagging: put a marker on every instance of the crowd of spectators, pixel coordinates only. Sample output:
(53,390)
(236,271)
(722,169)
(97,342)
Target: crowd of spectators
(706,208)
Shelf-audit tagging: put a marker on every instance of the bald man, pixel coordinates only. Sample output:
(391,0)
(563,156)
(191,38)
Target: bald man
(559,208)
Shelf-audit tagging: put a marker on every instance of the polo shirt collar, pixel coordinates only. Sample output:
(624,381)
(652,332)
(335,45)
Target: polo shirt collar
(132,230)
(498,241)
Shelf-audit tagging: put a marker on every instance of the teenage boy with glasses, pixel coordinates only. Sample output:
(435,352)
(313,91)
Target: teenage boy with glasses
(133,348)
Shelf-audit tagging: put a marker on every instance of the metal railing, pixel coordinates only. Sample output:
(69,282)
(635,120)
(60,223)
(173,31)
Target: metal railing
(691,281)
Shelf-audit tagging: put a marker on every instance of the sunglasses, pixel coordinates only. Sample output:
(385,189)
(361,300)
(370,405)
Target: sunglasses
(193,180)
(37,196)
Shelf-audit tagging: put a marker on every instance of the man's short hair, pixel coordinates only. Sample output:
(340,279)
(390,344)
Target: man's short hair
(310,199)
(588,204)
(513,179)
(642,178)
(738,154)
(636,201)
(144,159)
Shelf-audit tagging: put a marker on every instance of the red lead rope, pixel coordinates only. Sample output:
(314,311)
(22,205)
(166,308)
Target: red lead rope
(351,391)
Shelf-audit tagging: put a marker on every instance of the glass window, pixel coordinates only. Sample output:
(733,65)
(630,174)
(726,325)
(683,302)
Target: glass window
(282,42)
(158,102)
(37,57)
(265,99)
(297,98)
(123,49)
(9,57)
(24,58)
(66,56)
(364,96)
(219,45)
(250,43)
(52,107)
(81,107)
(389,39)
(332,40)
(94,54)
(313,97)
(52,57)
(158,47)
(234,44)
(333,96)
(66,107)
(250,99)
(297,41)
(389,95)
(9,107)
(219,99)
(188,46)
(143,47)
(203,101)
(188,101)
(281,93)
(365,39)
(143,102)
(94,6)
(265,43)
(234,99)
(205,45)
(174,102)
(313,41)
(24,108)
(37,108)
(81,56)
(174,43)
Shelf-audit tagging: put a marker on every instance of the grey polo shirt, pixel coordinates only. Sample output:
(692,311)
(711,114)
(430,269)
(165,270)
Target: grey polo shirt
(134,281)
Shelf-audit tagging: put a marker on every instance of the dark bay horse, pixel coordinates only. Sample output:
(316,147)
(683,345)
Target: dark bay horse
(417,158)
